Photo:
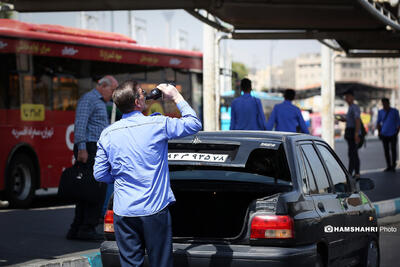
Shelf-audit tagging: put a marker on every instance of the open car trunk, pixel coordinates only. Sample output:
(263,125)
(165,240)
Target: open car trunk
(210,209)
(212,201)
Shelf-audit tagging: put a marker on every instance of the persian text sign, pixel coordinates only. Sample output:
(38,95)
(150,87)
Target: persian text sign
(32,112)
(135,55)
(45,133)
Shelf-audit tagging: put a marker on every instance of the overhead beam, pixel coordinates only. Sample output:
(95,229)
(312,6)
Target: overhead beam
(388,54)
(378,11)
(213,22)
(293,35)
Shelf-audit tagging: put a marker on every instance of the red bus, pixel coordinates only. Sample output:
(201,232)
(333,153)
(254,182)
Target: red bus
(44,71)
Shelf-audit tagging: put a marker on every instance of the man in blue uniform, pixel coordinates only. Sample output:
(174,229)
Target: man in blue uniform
(133,154)
(388,126)
(286,117)
(246,111)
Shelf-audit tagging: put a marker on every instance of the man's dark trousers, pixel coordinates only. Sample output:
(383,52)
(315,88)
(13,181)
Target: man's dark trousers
(354,160)
(392,142)
(87,214)
(153,233)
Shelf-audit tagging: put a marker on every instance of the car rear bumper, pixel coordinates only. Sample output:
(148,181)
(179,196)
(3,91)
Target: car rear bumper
(225,255)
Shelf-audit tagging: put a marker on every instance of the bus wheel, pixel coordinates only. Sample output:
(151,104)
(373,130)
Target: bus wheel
(20,183)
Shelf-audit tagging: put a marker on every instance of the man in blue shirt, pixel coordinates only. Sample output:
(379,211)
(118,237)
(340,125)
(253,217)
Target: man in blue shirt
(388,126)
(352,133)
(133,153)
(90,120)
(246,111)
(286,117)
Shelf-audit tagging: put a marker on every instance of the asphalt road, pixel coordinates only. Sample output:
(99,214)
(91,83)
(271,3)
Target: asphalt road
(39,233)
(371,155)
(28,236)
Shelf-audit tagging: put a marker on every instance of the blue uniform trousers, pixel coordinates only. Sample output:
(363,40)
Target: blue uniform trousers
(153,233)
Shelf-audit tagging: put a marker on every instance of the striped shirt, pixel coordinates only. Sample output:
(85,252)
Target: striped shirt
(90,118)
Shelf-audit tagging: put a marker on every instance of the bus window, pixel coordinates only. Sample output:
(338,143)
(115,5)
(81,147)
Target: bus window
(197,95)
(170,75)
(13,92)
(6,68)
(41,91)
(155,75)
(183,79)
(65,93)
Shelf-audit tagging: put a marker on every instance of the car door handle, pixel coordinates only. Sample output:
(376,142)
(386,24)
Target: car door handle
(321,207)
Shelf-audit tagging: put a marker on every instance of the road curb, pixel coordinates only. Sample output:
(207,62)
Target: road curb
(388,207)
(85,260)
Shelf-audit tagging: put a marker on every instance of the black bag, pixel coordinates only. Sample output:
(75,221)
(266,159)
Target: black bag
(78,184)
(363,133)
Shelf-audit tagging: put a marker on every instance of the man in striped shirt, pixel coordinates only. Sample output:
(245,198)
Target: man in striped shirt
(90,120)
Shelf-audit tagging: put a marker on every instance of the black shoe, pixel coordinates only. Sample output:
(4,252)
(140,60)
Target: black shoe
(388,169)
(90,235)
(72,234)
(393,169)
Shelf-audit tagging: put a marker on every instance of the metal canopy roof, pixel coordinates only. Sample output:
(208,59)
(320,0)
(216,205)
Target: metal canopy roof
(355,24)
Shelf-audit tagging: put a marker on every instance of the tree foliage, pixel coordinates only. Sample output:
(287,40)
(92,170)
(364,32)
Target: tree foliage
(239,71)
(4,13)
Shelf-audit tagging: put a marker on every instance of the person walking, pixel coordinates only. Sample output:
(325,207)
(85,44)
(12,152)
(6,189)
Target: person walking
(352,133)
(286,117)
(90,120)
(388,125)
(246,110)
(133,154)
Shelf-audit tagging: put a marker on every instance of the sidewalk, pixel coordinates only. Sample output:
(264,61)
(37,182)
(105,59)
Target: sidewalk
(89,258)
(386,194)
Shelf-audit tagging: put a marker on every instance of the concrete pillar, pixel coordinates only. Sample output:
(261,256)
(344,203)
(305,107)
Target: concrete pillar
(328,95)
(209,83)
(217,78)
(217,82)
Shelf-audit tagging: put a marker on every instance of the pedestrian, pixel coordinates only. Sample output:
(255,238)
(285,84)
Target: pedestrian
(388,125)
(352,133)
(246,110)
(286,117)
(133,154)
(90,120)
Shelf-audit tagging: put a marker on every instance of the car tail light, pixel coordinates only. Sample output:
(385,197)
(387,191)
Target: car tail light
(272,226)
(109,222)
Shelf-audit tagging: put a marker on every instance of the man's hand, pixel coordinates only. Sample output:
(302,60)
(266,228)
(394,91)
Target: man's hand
(82,156)
(340,118)
(170,92)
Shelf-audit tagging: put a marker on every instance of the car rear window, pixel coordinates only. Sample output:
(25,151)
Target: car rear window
(262,166)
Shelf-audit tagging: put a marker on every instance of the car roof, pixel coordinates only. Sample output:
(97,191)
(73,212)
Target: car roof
(242,136)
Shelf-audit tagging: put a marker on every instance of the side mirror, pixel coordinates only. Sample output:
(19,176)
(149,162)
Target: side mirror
(365,184)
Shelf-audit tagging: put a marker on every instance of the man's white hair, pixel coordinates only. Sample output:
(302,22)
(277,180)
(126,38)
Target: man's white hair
(105,80)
